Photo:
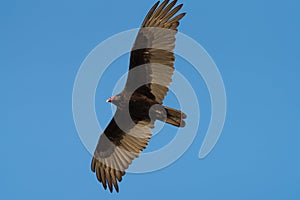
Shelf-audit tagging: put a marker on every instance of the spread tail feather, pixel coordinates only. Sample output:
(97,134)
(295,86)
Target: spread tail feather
(175,117)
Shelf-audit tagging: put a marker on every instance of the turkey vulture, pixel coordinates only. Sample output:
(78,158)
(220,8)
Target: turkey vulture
(140,103)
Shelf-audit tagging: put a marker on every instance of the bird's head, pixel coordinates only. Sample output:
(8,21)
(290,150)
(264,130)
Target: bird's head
(114,99)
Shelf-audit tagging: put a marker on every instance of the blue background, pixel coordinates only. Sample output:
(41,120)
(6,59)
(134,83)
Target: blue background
(256,47)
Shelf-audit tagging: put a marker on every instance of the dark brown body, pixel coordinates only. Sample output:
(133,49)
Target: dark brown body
(141,107)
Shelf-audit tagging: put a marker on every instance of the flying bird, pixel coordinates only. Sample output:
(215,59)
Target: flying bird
(140,103)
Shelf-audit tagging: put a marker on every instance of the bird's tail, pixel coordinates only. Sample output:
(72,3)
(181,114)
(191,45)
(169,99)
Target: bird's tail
(175,117)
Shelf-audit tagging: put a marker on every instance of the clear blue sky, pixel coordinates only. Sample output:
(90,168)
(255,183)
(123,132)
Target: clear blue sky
(256,47)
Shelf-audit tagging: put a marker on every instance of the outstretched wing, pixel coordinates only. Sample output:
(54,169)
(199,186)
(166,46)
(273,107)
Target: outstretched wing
(152,58)
(121,142)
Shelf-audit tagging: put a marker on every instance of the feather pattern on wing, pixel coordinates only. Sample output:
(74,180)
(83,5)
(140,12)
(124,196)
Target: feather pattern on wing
(115,152)
(152,56)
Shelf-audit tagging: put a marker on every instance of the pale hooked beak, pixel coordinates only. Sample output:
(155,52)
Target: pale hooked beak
(109,100)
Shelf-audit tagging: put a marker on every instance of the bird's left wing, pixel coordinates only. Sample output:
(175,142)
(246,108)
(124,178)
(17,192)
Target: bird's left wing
(121,142)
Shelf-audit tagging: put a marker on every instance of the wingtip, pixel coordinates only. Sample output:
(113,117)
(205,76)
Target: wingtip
(181,15)
(104,186)
(173,2)
(165,1)
(112,186)
(93,165)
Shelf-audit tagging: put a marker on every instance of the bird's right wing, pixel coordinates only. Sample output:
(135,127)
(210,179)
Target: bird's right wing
(121,142)
(152,58)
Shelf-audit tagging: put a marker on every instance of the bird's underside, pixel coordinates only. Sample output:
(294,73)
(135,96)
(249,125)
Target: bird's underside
(140,103)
